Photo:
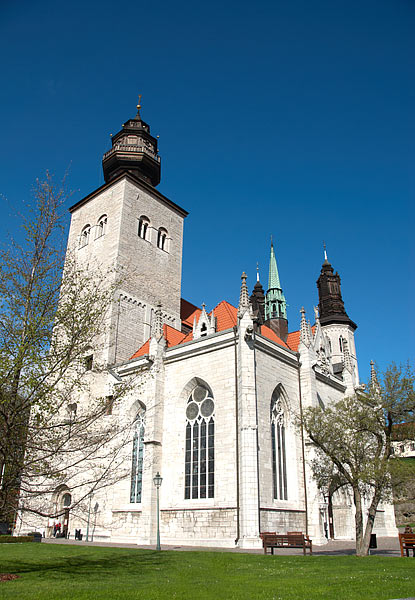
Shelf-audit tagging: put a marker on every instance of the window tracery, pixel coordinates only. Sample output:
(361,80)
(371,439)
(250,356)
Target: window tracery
(137,459)
(200,444)
(279,466)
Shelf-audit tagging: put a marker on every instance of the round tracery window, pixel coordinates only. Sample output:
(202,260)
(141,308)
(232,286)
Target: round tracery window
(200,404)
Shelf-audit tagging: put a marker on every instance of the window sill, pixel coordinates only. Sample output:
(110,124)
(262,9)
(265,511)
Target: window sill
(128,508)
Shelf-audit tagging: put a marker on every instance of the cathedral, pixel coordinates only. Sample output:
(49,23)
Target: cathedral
(217,415)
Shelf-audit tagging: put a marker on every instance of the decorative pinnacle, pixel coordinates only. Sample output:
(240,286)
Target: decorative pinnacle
(244,297)
(347,359)
(305,336)
(157,329)
(374,383)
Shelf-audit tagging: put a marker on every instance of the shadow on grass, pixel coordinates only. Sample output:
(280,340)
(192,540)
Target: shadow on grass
(116,564)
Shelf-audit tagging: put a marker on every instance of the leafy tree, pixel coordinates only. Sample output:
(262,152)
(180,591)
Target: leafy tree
(353,442)
(53,315)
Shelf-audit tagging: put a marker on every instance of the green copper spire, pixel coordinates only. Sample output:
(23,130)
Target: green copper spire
(275,304)
(273,277)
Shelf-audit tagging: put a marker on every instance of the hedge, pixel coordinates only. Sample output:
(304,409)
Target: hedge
(11,539)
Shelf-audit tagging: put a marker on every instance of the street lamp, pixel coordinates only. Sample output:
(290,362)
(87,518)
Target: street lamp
(89,516)
(157,482)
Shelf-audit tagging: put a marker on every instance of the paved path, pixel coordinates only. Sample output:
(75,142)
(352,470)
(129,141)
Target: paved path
(387,546)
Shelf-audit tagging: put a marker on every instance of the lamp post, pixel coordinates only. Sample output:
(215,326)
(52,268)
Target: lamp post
(89,516)
(95,520)
(157,482)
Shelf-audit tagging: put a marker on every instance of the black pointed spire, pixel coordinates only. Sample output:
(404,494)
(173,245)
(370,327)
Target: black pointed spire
(331,305)
(257,300)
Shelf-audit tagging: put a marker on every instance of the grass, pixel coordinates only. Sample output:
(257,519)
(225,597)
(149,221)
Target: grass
(52,572)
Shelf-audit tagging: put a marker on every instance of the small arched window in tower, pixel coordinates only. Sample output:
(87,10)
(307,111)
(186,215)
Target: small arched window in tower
(143,225)
(101,226)
(279,466)
(341,343)
(200,444)
(84,239)
(67,500)
(137,459)
(162,238)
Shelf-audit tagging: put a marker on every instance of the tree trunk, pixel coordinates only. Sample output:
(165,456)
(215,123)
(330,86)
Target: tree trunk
(360,546)
(371,518)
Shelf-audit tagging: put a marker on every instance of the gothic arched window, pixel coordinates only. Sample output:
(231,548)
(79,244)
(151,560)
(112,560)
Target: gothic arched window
(84,240)
(279,466)
(143,225)
(137,459)
(101,226)
(161,238)
(200,444)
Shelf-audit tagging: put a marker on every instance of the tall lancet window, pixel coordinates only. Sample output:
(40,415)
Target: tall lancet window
(279,466)
(137,458)
(200,444)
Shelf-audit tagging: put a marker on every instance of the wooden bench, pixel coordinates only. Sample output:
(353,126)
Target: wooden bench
(407,543)
(292,539)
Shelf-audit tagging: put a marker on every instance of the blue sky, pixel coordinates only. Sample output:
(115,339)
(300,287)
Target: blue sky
(291,118)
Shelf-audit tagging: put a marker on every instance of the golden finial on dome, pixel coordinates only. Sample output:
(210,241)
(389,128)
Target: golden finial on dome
(139,104)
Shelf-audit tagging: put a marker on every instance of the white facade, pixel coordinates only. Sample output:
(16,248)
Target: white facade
(256,384)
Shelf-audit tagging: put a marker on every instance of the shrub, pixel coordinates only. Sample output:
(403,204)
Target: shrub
(19,539)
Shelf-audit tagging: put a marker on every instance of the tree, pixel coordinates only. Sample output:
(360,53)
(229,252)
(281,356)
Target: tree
(53,314)
(353,442)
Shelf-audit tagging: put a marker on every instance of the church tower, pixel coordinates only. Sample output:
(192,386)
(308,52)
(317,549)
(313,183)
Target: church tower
(131,234)
(275,304)
(335,322)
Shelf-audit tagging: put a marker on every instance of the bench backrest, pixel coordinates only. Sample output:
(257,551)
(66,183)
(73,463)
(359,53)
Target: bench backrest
(284,538)
(407,537)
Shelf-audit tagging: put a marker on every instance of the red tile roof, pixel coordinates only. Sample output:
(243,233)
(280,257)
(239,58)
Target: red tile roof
(293,339)
(268,333)
(172,336)
(188,312)
(145,348)
(226,318)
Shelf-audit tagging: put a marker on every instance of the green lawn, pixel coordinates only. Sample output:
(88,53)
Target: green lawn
(51,571)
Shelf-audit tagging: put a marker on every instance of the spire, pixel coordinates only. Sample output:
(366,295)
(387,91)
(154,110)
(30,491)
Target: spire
(331,305)
(305,337)
(243,297)
(257,300)
(157,326)
(275,304)
(325,254)
(257,272)
(273,278)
